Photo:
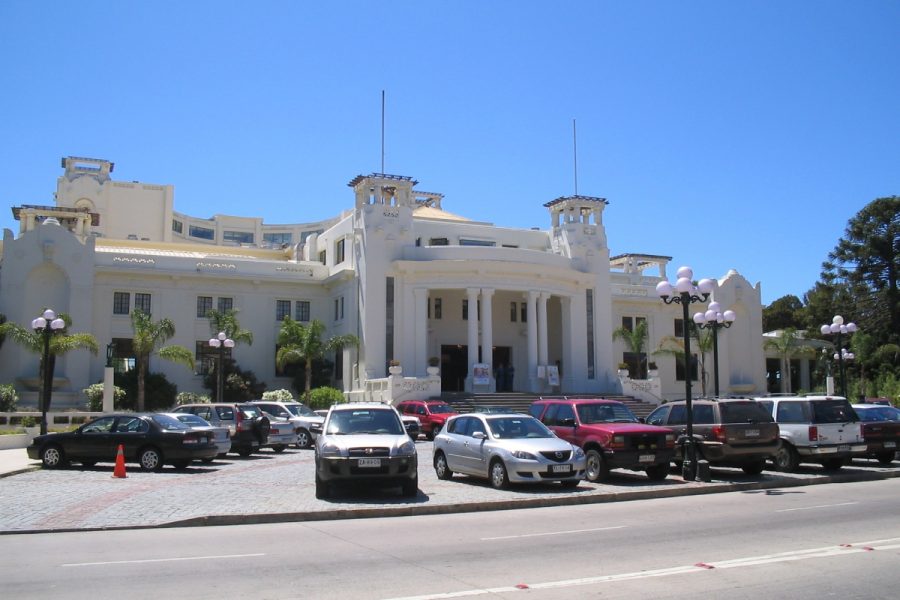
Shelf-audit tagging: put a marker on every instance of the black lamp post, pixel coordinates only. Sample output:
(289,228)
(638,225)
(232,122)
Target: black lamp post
(838,328)
(110,354)
(221,342)
(715,319)
(46,325)
(684,293)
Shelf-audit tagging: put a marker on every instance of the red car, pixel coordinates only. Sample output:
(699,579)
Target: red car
(881,430)
(431,413)
(610,435)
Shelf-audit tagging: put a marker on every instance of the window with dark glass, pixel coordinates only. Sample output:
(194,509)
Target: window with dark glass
(523,312)
(205,357)
(282,309)
(679,328)
(339,251)
(438,242)
(124,359)
(513,311)
(142,302)
(277,238)
(465,309)
(121,303)
(177,226)
(204,305)
(225,304)
(301,310)
(438,308)
(238,237)
(679,368)
(322,257)
(204,233)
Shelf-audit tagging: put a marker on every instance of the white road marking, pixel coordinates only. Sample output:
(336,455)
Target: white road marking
(854,548)
(815,507)
(528,535)
(158,560)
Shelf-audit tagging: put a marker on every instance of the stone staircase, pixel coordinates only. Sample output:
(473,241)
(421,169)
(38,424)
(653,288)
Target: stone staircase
(520,402)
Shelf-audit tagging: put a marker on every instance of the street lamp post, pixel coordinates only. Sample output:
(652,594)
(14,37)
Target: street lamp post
(221,342)
(715,319)
(46,325)
(838,328)
(684,292)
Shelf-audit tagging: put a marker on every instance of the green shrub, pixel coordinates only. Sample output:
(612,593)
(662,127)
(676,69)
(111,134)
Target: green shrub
(94,395)
(324,397)
(8,398)
(281,395)
(192,398)
(29,421)
(159,393)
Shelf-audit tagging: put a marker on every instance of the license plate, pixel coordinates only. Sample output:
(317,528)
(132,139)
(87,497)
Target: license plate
(560,468)
(752,433)
(645,458)
(369,462)
(890,444)
(844,448)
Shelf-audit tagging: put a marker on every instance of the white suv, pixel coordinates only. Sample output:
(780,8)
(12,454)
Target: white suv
(815,429)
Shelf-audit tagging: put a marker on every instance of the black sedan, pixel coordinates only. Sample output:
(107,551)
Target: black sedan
(150,440)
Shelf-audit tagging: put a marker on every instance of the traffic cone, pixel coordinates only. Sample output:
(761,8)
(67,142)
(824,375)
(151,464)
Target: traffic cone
(119,471)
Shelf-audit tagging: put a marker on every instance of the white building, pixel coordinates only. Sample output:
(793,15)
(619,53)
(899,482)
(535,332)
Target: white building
(408,278)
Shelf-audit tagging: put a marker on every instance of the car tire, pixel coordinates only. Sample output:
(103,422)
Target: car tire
(53,457)
(245,452)
(206,461)
(411,487)
(885,458)
(786,458)
(279,448)
(658,472)
(498,475)
(304,439)
(441,468)
(150,459)
(181,464)
(754,468)
(833,464)
(323,489)
(596,469)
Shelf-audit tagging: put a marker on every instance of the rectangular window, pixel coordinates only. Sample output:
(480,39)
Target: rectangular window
(438,242)
(121,303)
(465,242)
(177,226)
(513,311)
(339,365)
(465,310)
(301,310)
(282,309)
(277,238)
(323,258)
(339,251)
(338,308)
(225,304)
(679,368)
(123,355)
(438,308)
(238,237)
(204,233)
(142,303)
(205,357)
(679,328)
(627,324)
(204,305)
(523,313)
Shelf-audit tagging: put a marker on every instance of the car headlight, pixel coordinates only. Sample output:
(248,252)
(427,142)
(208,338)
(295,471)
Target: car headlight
(524,455)
(407,448)
(329,449)
(579,453)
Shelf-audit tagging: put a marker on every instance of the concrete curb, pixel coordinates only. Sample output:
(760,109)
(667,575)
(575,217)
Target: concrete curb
(438,509)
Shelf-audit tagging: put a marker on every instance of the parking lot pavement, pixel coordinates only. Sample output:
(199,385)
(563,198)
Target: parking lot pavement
(269,487)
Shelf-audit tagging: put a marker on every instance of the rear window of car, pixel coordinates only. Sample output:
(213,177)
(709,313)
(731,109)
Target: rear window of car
(169,423)
(440,408)
(250,412)
(300,410)
(744,412)
(886,413)
(832,411)
(189,419)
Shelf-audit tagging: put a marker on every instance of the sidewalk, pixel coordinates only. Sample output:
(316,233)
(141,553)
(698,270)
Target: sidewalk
(15,461)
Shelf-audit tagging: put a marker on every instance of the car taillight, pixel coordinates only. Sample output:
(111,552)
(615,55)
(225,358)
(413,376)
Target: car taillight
(242,423)
(813,433)
(718,433)
(191,439)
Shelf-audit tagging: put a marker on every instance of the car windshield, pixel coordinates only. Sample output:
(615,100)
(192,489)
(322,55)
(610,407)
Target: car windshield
(440,407)
(511,428)
(880,413)
(362,421)
(493,409)
(744,412)
(193,420)
(300,410)
(169,423)
(832,411)
(612,412)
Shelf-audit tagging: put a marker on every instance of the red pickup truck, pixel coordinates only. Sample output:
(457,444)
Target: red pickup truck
(610,435)
(431,413)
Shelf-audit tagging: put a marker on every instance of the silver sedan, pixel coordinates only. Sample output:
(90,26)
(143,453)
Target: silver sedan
(222,434)
(506,448)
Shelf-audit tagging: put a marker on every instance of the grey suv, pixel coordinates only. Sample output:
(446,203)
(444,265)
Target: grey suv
(248,425)
(731,432)
(365,443)
(815,429)
(298,414)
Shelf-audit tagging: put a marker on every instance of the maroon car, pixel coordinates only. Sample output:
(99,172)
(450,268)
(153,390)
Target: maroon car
(880,429)
(432,414)
(610,434)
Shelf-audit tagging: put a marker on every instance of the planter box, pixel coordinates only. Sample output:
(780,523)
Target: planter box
(16,440)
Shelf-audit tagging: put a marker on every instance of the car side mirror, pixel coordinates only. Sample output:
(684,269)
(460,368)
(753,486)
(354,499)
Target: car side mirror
(570,422)
(642,420)
(479,435)
(315,428)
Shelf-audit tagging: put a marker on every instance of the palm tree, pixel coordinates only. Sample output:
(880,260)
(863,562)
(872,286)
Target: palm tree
(147,335)
(674,346)
(635,339)
(60,343)
(226,321)
(787,345)
(300,342)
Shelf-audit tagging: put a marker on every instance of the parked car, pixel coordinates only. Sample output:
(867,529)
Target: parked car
(365,443)
(431,414)
(151,440)
(505,448)
(881,430)
(221,435)
(412,425)
(815,429)
(248,425)
(731,432)
(281,435)
(486,409)
(610,434)
(297,413)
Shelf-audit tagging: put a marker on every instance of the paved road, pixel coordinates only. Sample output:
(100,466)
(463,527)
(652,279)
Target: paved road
(270,487)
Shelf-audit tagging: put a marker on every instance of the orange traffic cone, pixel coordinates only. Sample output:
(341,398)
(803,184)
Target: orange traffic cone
(119,471)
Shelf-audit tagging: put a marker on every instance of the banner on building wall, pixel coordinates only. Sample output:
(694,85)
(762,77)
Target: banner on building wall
(481,374)
(552,374)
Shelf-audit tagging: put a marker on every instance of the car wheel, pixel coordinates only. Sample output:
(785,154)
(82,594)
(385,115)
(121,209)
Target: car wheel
(53,457)
(658,472)
(597,470)
(441,468)
(245,452)
(279,448)
(411,487)
(833,464)
(304,439)
(754,468)
(150,459)
(570,484)
(322,489)
(885,458)
(499,476)
(181,464)
(786,459)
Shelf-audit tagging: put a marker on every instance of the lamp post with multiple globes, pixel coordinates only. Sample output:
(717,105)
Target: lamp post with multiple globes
(46,326)
(684,292)
(715,319)
(220,342)
(839,329)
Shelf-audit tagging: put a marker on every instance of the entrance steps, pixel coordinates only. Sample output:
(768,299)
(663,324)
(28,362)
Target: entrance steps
(520,402)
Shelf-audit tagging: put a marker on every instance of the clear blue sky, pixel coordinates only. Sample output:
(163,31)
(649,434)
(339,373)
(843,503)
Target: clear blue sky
(724,134)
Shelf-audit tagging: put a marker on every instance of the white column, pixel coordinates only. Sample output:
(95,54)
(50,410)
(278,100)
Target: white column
(420,298)
(487,330)
(531,300)
(472,296)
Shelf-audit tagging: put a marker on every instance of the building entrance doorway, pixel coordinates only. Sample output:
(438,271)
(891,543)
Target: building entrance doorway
(455,368)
